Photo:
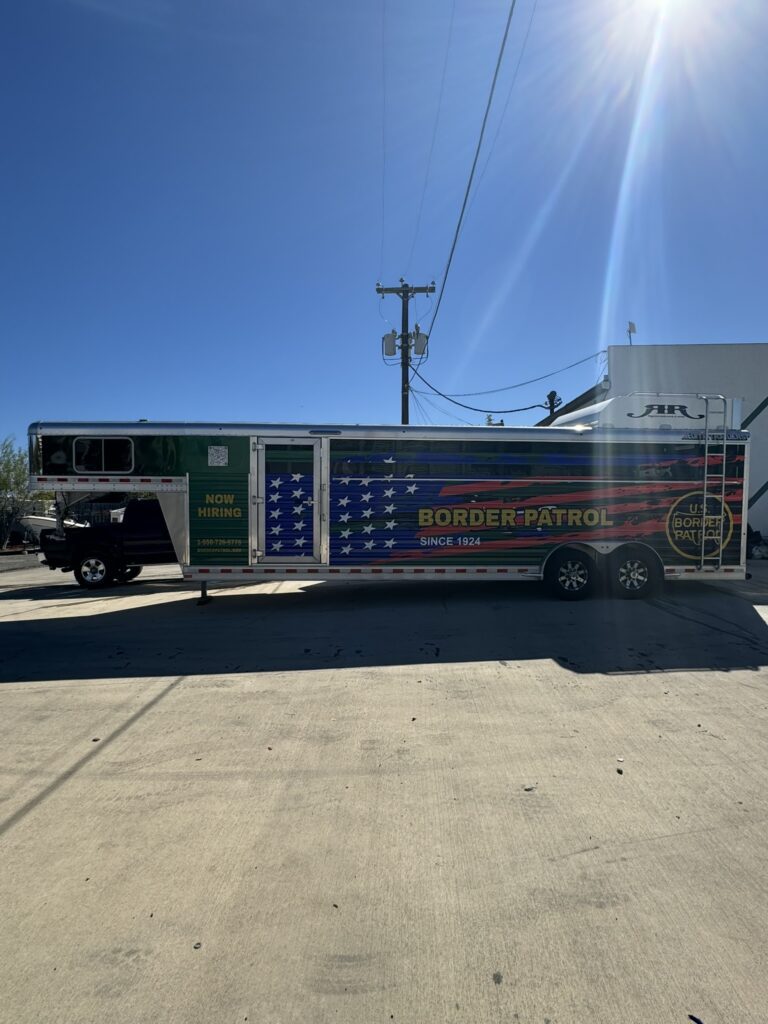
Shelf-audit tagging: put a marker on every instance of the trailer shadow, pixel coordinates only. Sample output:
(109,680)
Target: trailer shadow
(66,590)
(360,625)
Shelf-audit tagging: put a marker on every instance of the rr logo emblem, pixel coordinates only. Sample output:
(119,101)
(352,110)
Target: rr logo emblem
(666,410)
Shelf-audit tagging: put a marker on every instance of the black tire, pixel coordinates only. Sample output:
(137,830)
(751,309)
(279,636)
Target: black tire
(94,570)
(571,575)
(634,573)
(128,573)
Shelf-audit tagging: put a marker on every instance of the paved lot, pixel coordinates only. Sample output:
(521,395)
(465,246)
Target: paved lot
(382,803)
(12,560)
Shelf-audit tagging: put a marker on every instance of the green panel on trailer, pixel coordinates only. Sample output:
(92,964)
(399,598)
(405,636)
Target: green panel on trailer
(218,518)
(209,454)
(157,455)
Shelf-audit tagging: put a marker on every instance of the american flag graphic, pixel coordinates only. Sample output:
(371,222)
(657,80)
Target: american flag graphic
(289,515)
(370,514)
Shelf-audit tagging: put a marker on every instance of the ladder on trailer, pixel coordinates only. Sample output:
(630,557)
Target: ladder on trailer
(714,438)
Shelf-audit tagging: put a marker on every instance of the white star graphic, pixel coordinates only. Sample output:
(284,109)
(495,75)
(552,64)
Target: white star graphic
(345,533)
(390,524)
(296,477)
(389,543)
(345,480)
(300,542)
(275,514)
(346,549)
(390,459)
(276,482)
(409,476)
(276,529)
(344,501)
(368,529)
(366,497)
(299,525)
(411,489)
(367,513)
(274,497)
(277,545)
(365,480)
(389,508)
(368,545)
(389,476)
(344,517)
(297,494)
(298,509)
(389,492)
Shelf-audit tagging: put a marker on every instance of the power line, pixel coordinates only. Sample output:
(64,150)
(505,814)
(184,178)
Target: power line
(474,408)
(522,384)
(425,358)
(432,143)
(506,103)
(474,165)
(419,318)
(421,359)
(602,368)
(443,412)
(422,411)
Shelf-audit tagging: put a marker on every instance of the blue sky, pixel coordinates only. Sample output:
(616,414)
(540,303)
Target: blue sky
(198,198)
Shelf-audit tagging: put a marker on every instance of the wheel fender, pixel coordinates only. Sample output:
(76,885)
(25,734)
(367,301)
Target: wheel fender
(99,550)
(586,549)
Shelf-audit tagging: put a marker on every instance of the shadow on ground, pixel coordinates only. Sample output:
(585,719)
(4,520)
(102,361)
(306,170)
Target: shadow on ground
(332,625)
(64,589)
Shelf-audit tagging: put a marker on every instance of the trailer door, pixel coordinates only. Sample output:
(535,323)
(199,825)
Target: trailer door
(286,524)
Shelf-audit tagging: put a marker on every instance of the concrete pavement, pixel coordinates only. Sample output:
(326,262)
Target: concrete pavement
(356,803)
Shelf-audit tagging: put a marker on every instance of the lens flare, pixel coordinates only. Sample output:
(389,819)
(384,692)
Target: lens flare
(677,54)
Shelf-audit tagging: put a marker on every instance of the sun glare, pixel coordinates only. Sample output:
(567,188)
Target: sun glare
(696,27)
(664,5)
(676,51)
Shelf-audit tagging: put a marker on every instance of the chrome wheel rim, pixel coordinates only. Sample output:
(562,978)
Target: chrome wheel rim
(633,574)
(572,576)
(93,570)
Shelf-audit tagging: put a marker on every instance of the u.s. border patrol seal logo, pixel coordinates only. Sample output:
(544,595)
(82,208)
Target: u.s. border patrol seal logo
(689,516)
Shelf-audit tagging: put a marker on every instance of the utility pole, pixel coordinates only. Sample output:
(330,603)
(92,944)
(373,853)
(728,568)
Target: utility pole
(406,292)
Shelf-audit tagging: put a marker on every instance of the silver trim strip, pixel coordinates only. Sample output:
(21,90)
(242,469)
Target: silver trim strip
(259,572)
(375,431)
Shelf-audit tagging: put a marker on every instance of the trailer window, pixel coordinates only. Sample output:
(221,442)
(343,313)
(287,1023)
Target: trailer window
(103,455)
(518,460)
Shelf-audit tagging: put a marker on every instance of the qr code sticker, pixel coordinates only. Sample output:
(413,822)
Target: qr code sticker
(218,455)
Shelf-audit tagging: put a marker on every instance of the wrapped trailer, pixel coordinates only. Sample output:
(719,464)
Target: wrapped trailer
(627,493)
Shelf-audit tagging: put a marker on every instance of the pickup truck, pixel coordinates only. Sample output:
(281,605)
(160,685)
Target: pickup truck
(100,555)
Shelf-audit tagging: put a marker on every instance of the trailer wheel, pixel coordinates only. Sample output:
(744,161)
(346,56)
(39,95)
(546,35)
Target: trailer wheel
(128,573)
(634,573)
(571,574)
(94,571)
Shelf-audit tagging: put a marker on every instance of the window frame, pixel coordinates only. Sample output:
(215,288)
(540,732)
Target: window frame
(103,472)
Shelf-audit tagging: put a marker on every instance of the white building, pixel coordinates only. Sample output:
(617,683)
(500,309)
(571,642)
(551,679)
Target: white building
(735,371)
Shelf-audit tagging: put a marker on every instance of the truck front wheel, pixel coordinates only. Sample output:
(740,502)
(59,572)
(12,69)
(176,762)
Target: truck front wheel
(94,571)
